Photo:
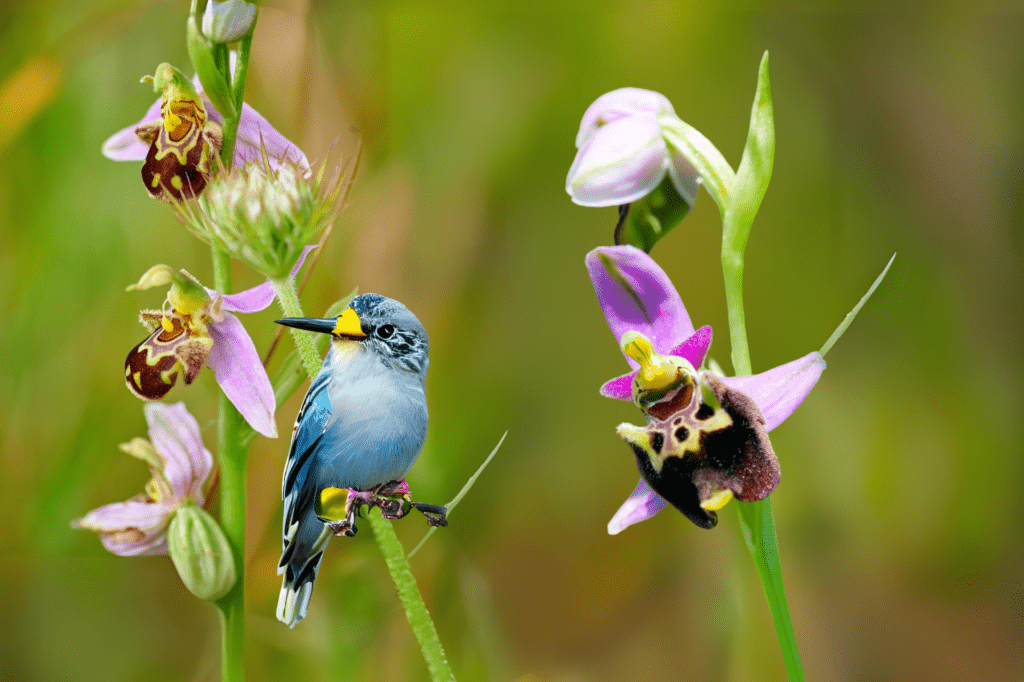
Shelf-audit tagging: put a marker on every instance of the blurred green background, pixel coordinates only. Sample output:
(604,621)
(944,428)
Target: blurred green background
(899,513)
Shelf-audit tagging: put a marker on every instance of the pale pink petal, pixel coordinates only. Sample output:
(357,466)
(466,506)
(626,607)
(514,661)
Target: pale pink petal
(620,163)
(124,146)
(147,544)
(620,388)
(253,130)
(619,104)
(260,296)
(118,516)
(175,435)
(241,375)
(641,505)
(635,294)
(778,392)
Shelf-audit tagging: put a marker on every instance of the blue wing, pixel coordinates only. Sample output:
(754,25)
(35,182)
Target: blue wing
(304,537)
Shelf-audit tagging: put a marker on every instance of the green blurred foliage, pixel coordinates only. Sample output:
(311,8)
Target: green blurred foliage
(899,513)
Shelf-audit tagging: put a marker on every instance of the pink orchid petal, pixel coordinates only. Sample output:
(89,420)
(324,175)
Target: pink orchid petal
(258,297)
(778,392)
(241,375)
(175,434)
(254,130)
(635,294)
(641,505)
(124,146)
(620,388)
(620,163)
(134,513)
(619,104)
(148,545)
(695,347)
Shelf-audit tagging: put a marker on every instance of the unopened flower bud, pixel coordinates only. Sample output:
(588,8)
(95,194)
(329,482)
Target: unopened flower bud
(227,21)
(201,553)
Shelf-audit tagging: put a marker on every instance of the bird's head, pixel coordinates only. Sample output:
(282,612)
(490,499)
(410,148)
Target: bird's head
(377,324)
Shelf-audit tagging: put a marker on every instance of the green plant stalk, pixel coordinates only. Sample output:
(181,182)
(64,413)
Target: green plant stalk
(409,594)
(288,299)
(743,199)
(232,457)
(230,126)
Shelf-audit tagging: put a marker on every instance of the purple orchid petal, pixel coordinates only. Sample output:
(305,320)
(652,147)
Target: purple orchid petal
(254,130)
(258,297)
(175,435)
(693,349)
(641,505)
(778,392)
(135,513)
(241,375)
(620,388)
(123,544)
(621,162)
(124,146)
(619,104)
(635,294)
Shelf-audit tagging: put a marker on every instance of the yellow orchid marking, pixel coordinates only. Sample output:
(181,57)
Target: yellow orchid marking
(333,504)
(718,499)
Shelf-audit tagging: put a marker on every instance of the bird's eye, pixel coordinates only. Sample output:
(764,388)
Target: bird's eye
(386,331)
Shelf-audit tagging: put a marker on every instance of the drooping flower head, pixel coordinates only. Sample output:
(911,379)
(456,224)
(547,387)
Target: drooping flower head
(196,327)
(181,468)
(706,437)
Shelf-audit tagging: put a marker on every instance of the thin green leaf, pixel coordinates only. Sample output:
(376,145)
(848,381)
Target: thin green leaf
(844,325)
(462,493)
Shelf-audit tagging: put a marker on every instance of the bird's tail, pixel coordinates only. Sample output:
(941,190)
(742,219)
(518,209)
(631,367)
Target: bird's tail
(300,562)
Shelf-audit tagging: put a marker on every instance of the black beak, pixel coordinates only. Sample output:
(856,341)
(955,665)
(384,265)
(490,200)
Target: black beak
(311,324)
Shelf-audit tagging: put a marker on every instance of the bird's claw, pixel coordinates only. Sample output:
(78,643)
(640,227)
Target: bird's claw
(394,502)
(437,515)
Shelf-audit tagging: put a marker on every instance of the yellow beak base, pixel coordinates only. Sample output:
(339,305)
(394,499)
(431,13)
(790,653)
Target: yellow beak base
(349,325)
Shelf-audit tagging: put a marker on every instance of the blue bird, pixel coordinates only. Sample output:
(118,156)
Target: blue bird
(362,424)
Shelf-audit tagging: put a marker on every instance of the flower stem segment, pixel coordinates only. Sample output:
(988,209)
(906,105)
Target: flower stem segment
(744,198)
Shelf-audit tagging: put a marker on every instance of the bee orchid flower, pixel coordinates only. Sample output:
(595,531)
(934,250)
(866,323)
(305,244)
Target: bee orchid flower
(706,437)
(181,468)
(180,134)
(196,327)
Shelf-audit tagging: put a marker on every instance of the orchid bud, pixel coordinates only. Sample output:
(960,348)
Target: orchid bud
(201,553)
(262,216)
(227,21)
(623,154)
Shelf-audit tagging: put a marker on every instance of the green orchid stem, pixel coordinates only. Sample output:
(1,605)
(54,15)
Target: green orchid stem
(230,126)
(232,457)
(409,594)
(288,299)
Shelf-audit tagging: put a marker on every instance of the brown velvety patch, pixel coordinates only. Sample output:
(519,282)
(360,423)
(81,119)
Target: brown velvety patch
(147,365)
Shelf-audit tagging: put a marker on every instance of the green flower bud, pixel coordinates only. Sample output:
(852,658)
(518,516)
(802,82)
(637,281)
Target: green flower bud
(201,553)
(262,215)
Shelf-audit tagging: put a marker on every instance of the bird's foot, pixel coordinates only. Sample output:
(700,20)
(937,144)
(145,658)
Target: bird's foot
(437,515)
